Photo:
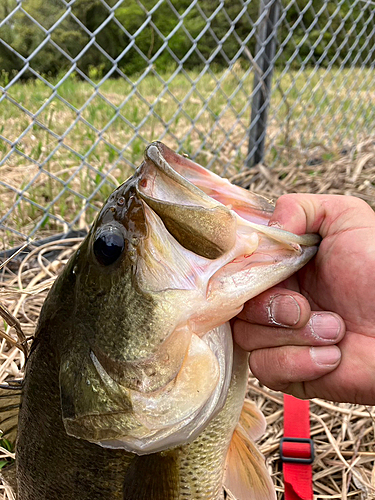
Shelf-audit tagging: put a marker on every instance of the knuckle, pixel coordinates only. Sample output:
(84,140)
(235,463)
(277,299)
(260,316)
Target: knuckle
(270,366)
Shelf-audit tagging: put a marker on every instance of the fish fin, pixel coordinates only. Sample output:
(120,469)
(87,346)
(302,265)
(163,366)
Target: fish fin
(252,420)
(9,410)
(245,474)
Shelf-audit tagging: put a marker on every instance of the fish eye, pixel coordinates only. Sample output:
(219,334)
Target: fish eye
(109,245)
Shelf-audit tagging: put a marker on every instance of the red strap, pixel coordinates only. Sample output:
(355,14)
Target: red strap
(297,476)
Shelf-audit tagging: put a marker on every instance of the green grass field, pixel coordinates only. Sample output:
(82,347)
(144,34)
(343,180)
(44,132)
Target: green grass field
(75,140)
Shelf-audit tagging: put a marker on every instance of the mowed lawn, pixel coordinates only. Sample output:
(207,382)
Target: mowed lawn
(66,145)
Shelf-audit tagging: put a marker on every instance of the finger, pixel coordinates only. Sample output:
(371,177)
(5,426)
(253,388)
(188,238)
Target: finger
(323,214)
(323,328)
(277,306)
(281,368)
(353,381)
(312,372)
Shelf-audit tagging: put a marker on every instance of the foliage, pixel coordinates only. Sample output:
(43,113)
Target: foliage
(143,33)
(4,443)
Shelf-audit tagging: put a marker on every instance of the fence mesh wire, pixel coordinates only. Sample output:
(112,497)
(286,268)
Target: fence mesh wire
(70,135)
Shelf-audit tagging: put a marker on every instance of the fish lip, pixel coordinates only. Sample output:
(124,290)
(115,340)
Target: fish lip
(155,154)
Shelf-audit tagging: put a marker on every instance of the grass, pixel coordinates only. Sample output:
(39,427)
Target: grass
(78,136)
(4,462)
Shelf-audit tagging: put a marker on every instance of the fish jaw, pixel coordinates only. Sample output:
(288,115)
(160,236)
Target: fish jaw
(196,260)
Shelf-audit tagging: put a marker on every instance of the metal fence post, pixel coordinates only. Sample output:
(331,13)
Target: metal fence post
(264,61)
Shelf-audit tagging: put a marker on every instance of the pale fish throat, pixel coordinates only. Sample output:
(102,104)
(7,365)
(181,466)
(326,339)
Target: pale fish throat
(179,414)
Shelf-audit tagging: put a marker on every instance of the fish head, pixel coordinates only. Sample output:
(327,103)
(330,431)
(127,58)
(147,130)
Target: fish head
(146,352)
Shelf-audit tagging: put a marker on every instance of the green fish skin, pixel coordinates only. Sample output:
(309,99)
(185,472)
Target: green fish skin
(52,465)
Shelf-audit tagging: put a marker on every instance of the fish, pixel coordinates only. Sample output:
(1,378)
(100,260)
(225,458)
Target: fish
(134,388)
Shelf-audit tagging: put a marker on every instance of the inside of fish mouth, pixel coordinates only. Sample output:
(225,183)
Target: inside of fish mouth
(208,231)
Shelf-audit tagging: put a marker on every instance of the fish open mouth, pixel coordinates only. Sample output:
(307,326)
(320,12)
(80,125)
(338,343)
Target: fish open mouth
(208,249)
(217,236)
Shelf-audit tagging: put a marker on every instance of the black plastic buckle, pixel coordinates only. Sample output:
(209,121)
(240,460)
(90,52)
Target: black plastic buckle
(296,460)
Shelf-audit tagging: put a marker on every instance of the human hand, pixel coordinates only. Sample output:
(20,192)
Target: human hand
(296,345)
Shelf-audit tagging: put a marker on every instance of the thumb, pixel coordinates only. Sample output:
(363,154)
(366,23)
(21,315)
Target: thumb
(323,214)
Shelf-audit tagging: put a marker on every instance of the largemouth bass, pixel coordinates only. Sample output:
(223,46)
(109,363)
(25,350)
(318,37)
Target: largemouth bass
(133,388)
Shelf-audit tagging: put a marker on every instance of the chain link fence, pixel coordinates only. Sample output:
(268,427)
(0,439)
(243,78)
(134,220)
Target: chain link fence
(87,84)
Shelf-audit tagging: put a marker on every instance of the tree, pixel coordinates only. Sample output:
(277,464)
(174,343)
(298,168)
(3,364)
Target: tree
(209,24)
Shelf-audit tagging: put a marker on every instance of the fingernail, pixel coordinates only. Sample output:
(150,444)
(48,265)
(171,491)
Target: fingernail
(325,326)
(284,310)
(326,356)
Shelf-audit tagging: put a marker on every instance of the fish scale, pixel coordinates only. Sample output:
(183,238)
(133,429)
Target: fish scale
(203,467)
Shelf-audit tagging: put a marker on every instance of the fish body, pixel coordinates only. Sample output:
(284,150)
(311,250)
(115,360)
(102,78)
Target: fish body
(53,465)
(133,388)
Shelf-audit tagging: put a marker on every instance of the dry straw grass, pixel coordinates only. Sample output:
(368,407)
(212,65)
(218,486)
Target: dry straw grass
(344,434)
(348,171)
